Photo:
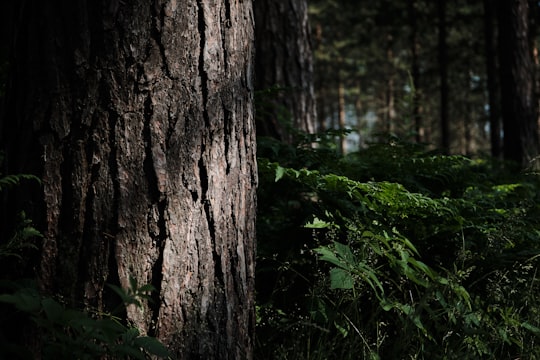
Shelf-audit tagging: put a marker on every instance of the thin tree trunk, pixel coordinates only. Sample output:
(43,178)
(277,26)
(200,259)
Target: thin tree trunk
(492,84)
(415,74)
(322,110)
(359,110)
(390,102)
(443,74)
(341,115)
(138,115)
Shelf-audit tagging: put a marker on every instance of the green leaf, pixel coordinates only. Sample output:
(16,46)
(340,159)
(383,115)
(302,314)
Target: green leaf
(318,224)
(27,302)
(130,335)
(10,181)
(341,279)
(152,346)
(345,252)
(328,255)
(129,350)
(120,292)
(133,285)
(344,332)
(148,288)
(280,171)
(53,310)
(386,305)
(531,328)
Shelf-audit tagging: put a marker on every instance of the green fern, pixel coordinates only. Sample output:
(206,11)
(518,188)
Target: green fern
(10,181)
(404,253)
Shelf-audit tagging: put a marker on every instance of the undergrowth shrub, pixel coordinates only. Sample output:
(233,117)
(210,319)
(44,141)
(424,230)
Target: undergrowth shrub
(395,252)
(30,320)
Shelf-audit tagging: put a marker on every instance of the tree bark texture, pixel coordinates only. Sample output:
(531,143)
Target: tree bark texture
(138,116)
(518,103)
(284,68)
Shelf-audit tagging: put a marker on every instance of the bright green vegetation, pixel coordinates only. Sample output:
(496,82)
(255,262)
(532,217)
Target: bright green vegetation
(395,252)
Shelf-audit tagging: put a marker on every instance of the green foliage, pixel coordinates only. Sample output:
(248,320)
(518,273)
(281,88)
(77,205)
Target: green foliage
(21,239)
(62,331)
(24,233)
(10,181)
(395,252)
(134,293)
(68,333)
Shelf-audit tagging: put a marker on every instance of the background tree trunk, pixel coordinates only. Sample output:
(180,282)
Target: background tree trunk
(518,104)
(342,146)
(138,116)
(443,74)
(390,107)
(284,69)
(491,76)
(415,73)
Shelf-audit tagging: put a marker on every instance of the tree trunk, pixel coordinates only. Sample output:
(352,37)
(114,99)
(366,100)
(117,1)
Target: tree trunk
(138,115)
(284,68)
(492,84)
(518,103)
(341,115)
(415,73)
(390,107)
(443,74)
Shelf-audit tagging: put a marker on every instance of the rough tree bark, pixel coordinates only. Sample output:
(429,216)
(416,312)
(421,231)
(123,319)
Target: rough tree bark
(284,68)
(518,103)
(138,116)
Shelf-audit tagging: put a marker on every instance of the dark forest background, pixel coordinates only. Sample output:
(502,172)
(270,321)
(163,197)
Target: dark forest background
(434,72)
(398,200)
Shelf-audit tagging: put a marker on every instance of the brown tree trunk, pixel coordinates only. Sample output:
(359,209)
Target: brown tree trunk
(415,73)
(284,68)
(492,83)
(443,74)
(341,115)
(390,107)
(138,115)
(518,104)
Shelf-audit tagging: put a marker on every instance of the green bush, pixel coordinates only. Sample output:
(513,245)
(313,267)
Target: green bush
(67,333)
(395,252)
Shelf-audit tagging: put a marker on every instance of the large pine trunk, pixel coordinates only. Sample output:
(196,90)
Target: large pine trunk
(138,116)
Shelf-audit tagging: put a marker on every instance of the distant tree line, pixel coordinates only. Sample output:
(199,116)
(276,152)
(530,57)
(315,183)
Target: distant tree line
(460,75)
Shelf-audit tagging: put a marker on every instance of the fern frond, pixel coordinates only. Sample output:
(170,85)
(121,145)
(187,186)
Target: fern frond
(10,181)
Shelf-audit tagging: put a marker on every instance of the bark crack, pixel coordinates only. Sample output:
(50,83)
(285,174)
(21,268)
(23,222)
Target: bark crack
(227,117)
(148,162)
(158,23)
(202,71)
(227,24)
(159,200)
(157,268)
